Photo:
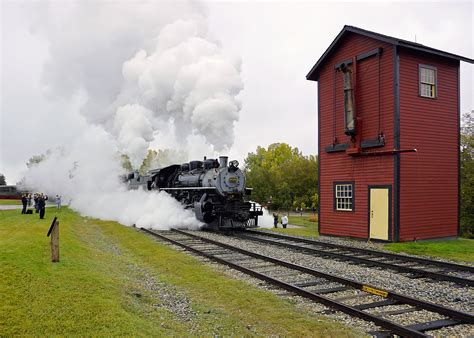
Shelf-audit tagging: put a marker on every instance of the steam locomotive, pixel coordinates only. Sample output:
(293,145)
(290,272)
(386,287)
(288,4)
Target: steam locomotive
(214,189)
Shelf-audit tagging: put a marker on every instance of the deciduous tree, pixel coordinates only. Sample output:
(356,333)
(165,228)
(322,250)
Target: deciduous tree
(467,175)
(282,176)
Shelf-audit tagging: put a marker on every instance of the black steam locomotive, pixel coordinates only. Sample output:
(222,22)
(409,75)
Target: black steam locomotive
(213,188)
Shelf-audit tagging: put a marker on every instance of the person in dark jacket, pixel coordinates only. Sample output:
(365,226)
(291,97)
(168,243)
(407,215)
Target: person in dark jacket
(275,220)
(36,199)
(24,201)
(41,205)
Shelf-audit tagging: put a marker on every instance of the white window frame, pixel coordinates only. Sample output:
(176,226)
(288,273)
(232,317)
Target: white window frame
(428,82)
(343,196)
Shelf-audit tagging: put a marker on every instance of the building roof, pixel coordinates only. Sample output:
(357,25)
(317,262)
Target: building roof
(314,72)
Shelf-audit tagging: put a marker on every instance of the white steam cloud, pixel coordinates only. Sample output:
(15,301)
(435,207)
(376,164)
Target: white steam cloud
(134,131)
(146,72)
(266,220)
(188,80)
(88,178)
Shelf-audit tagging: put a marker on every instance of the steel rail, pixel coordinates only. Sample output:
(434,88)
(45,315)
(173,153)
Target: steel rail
(459,315)
(366,261)
(387,324)
(448,265)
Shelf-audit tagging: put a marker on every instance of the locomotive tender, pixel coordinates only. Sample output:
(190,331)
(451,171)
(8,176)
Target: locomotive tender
(214,189)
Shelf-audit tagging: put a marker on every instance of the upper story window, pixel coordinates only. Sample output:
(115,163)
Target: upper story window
(427,81)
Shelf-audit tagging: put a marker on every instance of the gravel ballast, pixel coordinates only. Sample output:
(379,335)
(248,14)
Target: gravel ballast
(441,293)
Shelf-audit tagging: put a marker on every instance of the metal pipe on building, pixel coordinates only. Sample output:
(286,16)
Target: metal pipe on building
(349,105)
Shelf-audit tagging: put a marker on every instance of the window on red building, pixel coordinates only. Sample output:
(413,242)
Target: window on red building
(427,81)
(343,196)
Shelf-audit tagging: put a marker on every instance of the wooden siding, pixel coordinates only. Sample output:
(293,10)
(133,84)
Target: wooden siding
(363,171)
(428,178)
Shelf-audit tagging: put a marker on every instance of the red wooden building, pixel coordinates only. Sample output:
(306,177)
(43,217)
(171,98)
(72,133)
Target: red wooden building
(388,120)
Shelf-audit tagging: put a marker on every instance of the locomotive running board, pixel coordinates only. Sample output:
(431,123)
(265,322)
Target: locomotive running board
(189,188)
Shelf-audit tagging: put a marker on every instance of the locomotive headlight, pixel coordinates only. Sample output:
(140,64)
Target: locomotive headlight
(231,181)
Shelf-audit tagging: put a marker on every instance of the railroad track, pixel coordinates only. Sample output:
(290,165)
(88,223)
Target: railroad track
(413,267)
(372,303)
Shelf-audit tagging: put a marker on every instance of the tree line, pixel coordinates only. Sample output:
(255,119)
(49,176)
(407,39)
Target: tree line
(282,177)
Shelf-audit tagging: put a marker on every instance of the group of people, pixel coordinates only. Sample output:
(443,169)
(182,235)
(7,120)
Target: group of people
(284,220)
(39,203)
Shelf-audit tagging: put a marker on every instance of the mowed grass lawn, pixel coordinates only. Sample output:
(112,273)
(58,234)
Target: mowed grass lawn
(456,249)
(113,280)
(460,249)
(306,227)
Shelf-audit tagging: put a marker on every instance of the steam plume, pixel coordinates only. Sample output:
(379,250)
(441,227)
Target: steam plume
(146,72)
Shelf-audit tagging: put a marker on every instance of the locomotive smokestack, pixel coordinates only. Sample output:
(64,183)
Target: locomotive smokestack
(223,161)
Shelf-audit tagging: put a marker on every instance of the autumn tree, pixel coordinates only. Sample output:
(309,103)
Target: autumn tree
(282,177)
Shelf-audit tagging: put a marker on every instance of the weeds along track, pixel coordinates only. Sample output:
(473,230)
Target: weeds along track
(412,267)
(364,301)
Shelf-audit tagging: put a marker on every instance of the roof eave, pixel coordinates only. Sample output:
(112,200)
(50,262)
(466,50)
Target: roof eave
(313,74)
(436,52)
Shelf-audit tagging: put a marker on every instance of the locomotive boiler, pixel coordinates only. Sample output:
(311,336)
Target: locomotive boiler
(214,189)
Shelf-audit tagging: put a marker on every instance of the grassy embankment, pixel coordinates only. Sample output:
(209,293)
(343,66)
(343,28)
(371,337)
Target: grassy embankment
(456,249)
(113,280)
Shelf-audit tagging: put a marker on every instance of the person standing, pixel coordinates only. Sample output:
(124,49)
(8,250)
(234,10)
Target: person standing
(36,199)
(275,220)
(58,201)
(41,206)
(24,201)
(284,221)
(29,200)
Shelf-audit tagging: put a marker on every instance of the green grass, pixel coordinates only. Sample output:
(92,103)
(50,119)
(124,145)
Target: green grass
(457,249)
(308,229)
(110,282)
(10,202)
(302,221)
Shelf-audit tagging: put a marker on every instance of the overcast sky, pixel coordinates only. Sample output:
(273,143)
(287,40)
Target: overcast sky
(277,43)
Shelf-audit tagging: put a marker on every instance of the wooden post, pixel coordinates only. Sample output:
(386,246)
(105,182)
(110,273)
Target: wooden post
(55,242)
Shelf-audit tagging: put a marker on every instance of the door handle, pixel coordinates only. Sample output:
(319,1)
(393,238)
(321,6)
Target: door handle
(371,214)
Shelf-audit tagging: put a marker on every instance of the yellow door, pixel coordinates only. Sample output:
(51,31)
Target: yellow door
(379,213)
